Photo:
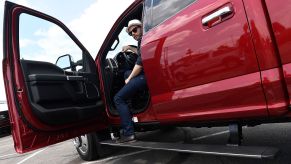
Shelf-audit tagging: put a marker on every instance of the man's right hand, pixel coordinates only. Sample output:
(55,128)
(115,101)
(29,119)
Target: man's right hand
(126,48)
(129,48)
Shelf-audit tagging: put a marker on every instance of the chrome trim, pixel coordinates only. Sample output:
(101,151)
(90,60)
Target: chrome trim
(221,12)
(77,142)
(81,143)
(74,78)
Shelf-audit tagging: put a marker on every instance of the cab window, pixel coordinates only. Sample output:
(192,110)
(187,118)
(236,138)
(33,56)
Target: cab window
(157,11)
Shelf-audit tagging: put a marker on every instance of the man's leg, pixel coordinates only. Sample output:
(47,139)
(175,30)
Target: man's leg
(134,85)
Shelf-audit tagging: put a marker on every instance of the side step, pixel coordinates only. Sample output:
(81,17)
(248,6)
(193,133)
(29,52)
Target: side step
(220,150)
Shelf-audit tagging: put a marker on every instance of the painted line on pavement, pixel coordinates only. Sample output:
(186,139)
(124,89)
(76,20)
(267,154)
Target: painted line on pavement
(5,140)
(11,146)
(6,145)
(8,155)
(32,155)
(116,157)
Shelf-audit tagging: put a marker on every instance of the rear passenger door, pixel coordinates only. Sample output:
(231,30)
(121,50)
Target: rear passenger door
(51,81)
(200,62)
(281,29)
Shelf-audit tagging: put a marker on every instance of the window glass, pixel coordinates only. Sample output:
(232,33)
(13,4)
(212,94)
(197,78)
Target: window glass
(147,15)
(64,62)
(163,9)
(41,40)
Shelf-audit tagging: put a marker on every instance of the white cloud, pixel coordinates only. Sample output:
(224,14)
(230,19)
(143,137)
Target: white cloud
(22,2)
(94,24)
(91,28)
(25,43)
(48,45)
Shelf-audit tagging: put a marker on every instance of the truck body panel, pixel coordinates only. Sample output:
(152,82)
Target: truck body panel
(269,59)
(281,26)
(190,69)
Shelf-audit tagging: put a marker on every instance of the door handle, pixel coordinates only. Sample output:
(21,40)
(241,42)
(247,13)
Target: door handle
(218,16)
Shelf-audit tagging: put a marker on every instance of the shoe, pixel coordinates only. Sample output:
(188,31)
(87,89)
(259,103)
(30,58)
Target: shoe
(124,139)
(114,136)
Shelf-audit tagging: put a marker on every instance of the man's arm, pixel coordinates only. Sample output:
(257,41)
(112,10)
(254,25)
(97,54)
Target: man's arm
(136,70)
(133,49)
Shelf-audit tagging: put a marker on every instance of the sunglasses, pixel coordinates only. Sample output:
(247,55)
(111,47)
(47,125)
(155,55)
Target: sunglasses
(134,30)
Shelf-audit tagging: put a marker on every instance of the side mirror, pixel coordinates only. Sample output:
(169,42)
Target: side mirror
(65,62)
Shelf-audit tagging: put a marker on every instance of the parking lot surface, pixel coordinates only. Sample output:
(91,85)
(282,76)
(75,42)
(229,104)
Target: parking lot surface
(273,135)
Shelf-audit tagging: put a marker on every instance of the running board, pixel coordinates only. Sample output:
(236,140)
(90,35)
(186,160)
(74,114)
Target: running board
(220,150)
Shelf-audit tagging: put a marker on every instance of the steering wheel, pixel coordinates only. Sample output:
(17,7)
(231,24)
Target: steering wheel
(130,58)
(112,65)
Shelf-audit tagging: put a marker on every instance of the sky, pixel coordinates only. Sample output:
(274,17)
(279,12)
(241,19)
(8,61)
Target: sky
(89,20)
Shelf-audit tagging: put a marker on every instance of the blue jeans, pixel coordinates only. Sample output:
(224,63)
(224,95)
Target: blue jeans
(136,84)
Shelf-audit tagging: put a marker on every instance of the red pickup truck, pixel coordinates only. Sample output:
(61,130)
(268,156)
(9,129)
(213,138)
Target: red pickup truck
(206,62)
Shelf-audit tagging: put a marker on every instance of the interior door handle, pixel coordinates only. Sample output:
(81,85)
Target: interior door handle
(218,16)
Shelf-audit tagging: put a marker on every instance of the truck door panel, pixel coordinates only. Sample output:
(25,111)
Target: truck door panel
(55,99)
(280,23)
(269,60)
(203,73)
(47,104)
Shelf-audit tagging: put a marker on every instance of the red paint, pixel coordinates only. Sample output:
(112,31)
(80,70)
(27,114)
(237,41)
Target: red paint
(281,25)
(180,56)
(226,99)
(274,91)
(265,46)
(287,76)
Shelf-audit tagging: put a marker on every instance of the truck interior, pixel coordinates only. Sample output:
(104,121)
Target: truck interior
(57,94)
(115,63)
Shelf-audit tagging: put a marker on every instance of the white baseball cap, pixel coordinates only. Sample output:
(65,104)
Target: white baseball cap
(134,22)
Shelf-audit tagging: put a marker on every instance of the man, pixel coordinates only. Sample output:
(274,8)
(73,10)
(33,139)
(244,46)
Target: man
(134,81)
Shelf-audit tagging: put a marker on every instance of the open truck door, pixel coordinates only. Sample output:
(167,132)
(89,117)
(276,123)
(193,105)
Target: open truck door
(51,98)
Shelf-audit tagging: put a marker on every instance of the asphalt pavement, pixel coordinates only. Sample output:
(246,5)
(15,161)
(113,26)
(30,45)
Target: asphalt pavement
(273,135)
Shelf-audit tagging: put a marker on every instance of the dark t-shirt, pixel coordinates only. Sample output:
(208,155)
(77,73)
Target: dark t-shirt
(138,60)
